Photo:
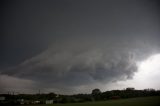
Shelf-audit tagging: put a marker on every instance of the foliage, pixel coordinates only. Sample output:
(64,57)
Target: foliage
(96,95)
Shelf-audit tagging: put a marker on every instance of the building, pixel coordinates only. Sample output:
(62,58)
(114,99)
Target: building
(49,101)
(2,98)
(130,89)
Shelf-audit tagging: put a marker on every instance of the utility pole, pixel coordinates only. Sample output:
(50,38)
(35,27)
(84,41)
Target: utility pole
(39,91)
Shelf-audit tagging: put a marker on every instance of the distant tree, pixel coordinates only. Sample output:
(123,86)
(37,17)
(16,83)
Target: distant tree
(96,91)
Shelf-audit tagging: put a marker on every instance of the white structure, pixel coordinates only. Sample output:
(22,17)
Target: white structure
(49,101)
(2,98)
(36,102)
(21,101)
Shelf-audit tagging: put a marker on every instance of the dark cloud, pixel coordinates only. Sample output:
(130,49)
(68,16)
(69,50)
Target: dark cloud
(63,45)
(16,85)
(72,65)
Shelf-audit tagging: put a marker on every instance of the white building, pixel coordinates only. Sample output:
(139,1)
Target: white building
(2,98)
(49,101)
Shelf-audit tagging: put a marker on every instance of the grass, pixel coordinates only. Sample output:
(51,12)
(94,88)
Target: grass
(140,101)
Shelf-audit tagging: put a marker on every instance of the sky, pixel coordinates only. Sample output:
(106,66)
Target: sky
(74,46)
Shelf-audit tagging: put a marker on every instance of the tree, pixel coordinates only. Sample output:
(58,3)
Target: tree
(96,91)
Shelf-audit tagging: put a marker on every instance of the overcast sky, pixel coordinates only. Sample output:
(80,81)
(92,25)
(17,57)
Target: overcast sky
(74,46)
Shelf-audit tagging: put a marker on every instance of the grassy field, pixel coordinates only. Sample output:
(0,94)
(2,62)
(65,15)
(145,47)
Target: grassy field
(141,101)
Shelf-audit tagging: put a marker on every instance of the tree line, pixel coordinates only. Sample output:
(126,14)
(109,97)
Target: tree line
(96,95)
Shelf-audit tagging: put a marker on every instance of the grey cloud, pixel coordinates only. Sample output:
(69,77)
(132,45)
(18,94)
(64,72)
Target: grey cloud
(70,66)
(16,85)
(65,66)
(90,42)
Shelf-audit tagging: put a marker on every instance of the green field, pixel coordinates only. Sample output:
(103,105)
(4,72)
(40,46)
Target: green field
(141,101)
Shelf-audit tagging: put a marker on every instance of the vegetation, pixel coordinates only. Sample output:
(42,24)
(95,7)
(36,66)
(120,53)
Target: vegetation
(139,101)
(96,95)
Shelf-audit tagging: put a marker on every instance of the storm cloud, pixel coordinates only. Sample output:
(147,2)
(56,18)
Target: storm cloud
(72,65)
(76,44)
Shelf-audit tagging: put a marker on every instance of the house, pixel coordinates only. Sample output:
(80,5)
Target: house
(2,98)
(130,89)
(49,101)
(36,102)
(21,101)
